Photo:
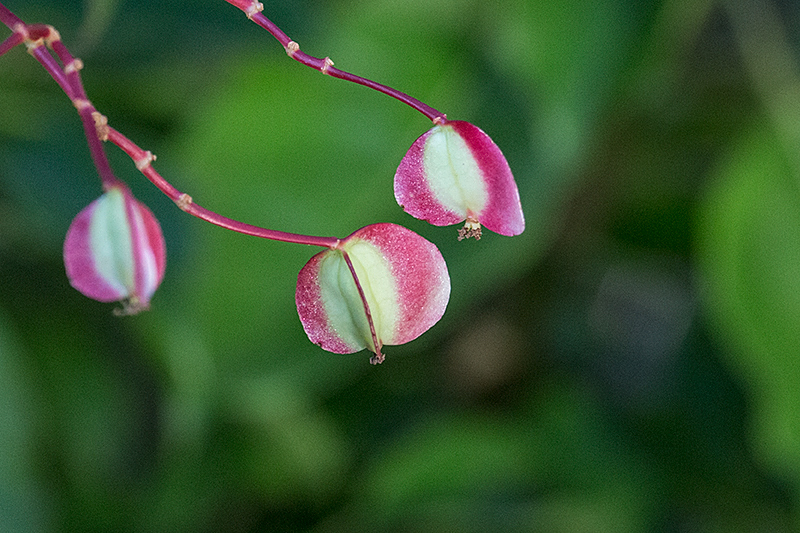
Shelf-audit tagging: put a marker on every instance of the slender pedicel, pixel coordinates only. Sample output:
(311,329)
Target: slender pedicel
(253,9)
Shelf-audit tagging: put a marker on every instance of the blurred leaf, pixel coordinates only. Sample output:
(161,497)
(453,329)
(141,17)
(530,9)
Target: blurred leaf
(97,19)
(573,55)
(24,504)
(750,257)
(553,467)
(296,453)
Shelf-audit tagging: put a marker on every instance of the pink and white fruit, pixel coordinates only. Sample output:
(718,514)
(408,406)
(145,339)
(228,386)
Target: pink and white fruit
(454,173)
(382,285)
(114,251)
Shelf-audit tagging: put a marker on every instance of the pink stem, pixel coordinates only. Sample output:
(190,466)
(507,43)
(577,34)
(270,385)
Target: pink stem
(378,358)
(143,160)
(13,40)
(8,18)
(253,10)
(86,110)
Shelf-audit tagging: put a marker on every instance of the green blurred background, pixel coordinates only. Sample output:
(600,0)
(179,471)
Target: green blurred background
(628,364)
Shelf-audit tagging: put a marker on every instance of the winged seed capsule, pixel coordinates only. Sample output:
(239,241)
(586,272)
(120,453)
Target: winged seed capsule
(383,285)
(455,173)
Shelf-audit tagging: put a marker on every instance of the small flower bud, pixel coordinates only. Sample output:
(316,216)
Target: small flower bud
(454,173)
(383,285)
(114,251)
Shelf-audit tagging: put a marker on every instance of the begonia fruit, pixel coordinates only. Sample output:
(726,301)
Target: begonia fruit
(382,285)
(455,173)
(114,251)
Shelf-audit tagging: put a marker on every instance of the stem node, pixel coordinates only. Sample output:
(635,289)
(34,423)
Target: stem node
(145,161)
(73,66)
(100,124)
(81,104)
(326,64)
(33,44)
(52,36)
(292,48)
(20,28)
(183,202)
(255,8)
